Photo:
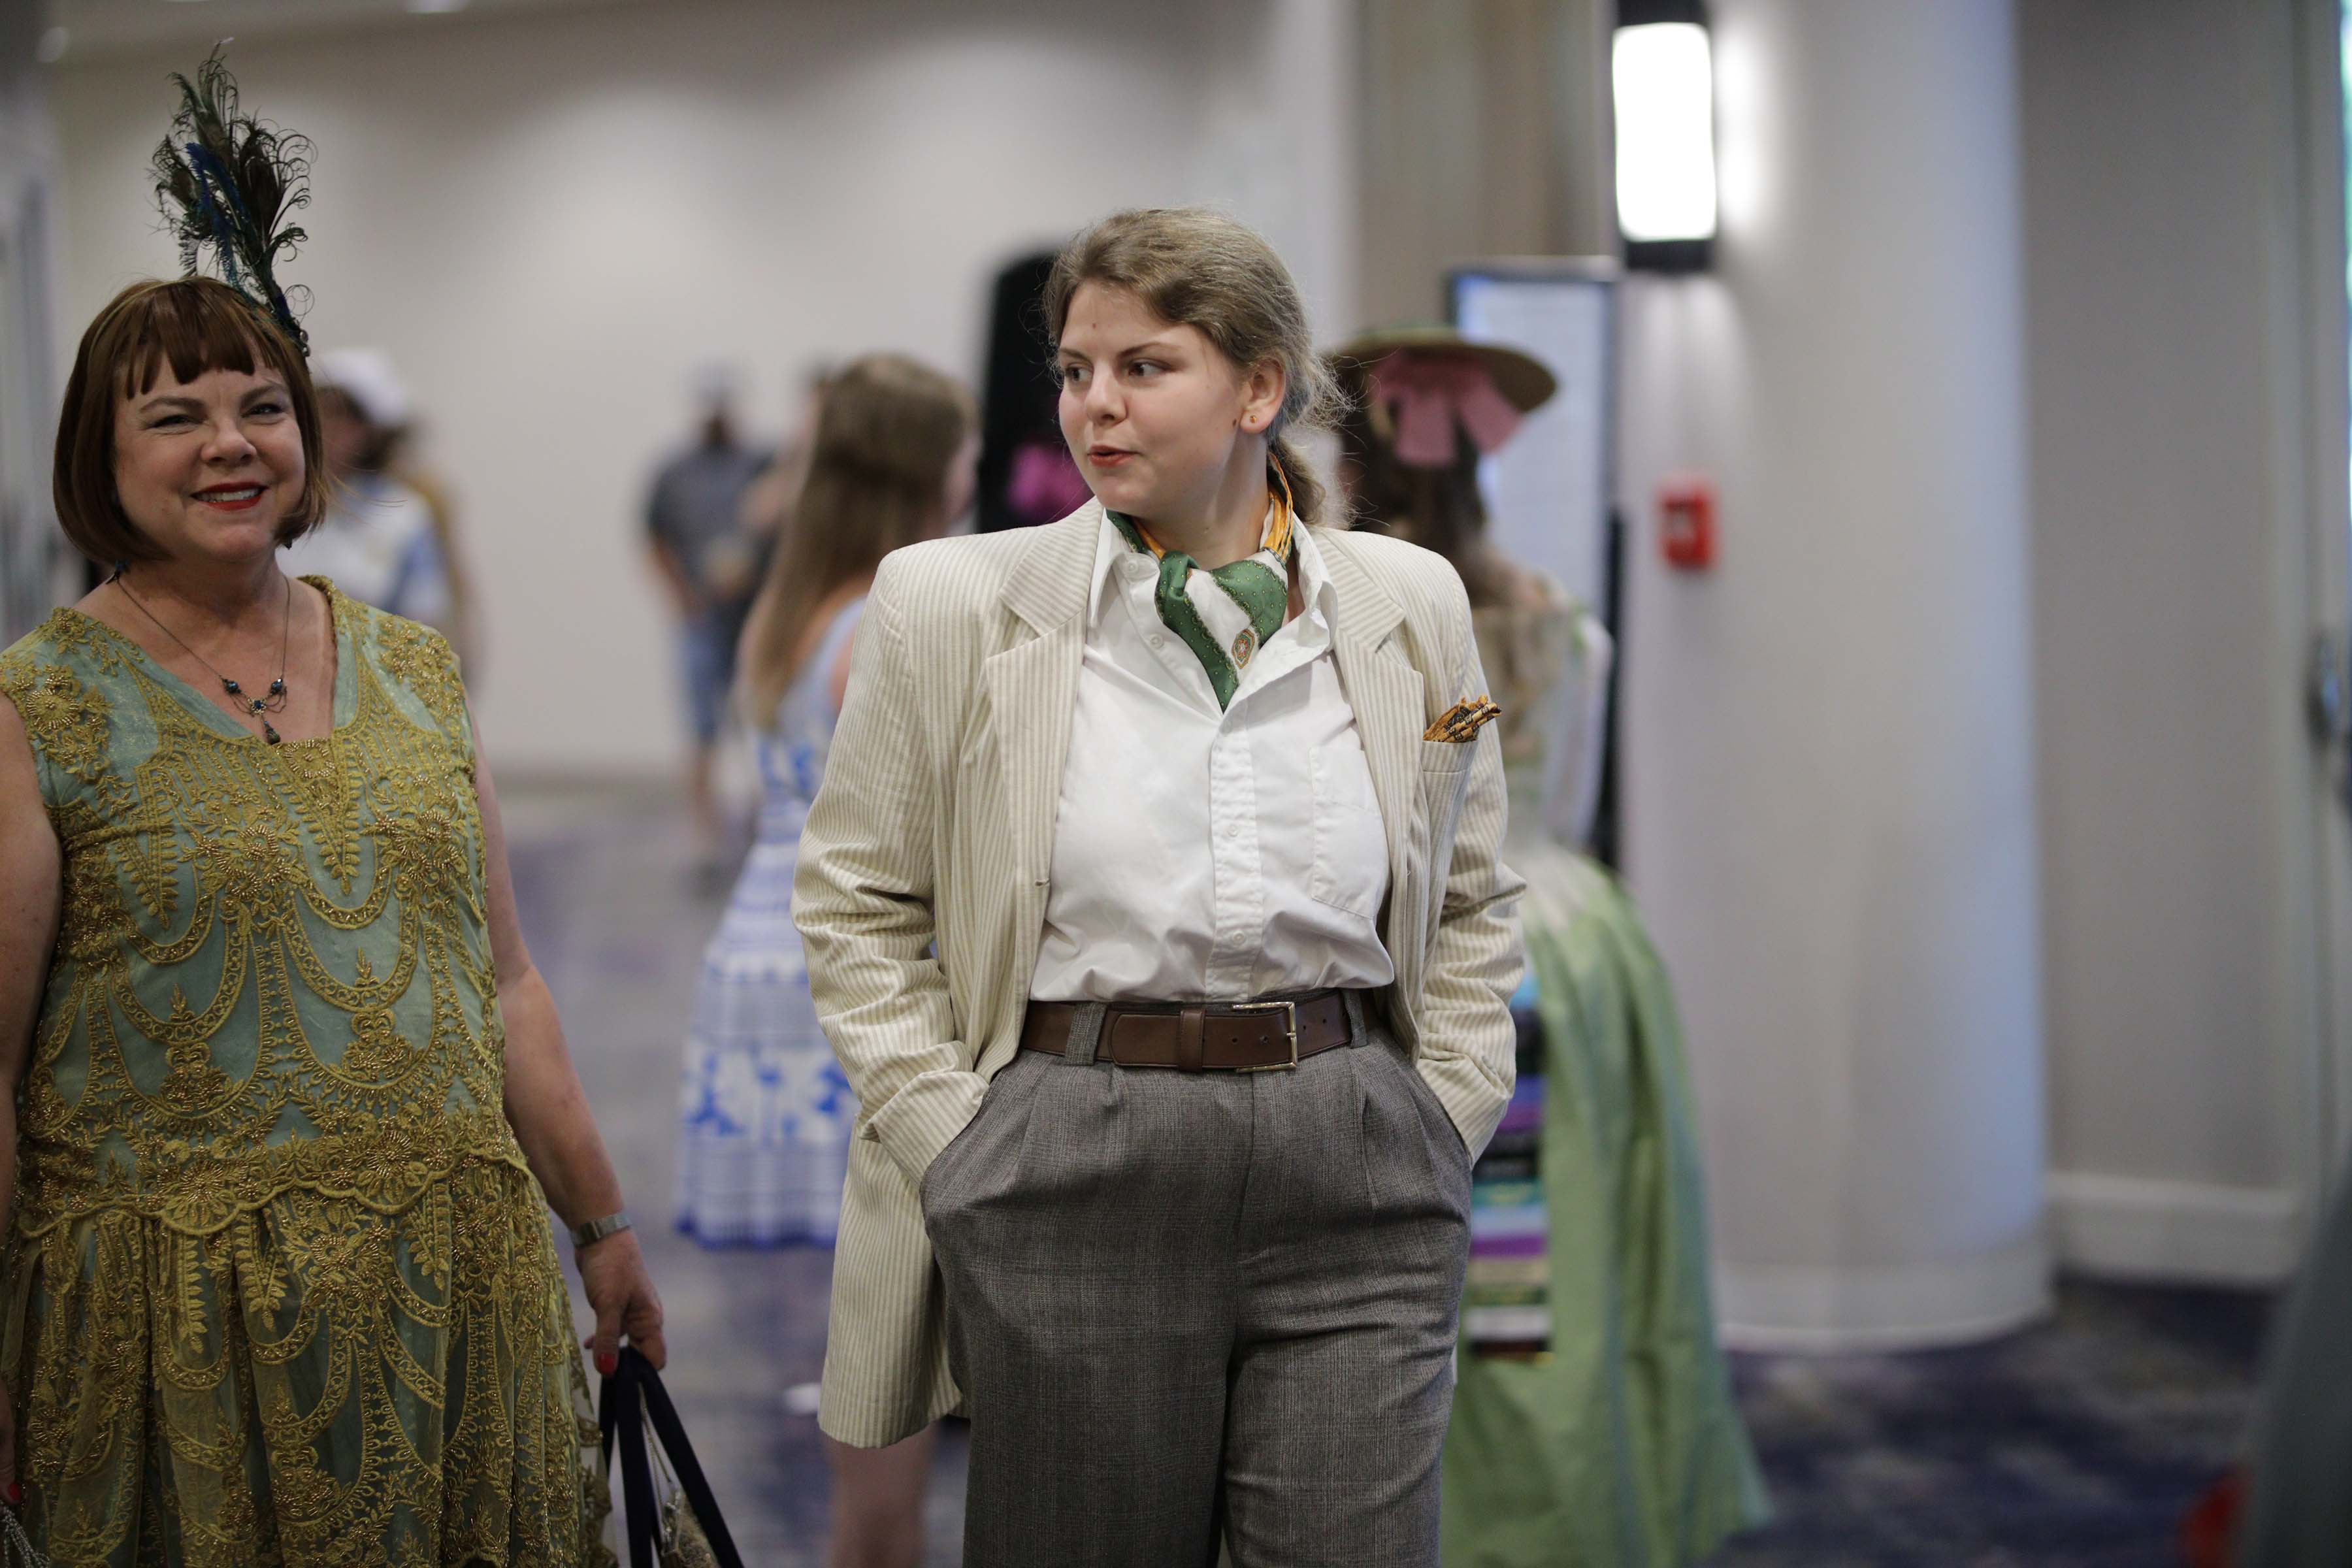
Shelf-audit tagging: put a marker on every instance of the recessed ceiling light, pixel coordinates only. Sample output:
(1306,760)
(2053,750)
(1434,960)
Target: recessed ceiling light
(52,46)
(435,7)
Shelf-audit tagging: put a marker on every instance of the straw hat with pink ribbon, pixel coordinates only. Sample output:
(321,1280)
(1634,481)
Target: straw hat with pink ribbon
(1421,384)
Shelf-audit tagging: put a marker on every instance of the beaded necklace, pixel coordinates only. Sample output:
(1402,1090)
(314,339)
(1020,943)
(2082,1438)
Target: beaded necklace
(258,707)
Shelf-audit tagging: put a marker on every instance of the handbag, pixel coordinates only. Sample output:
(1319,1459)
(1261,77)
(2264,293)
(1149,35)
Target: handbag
(682,1529)
(14,1544)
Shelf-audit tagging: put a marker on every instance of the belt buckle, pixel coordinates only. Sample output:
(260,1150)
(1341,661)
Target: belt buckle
(1289,1011)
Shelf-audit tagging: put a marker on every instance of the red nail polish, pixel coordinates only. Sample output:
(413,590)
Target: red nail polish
(607,1362)
(16,1492)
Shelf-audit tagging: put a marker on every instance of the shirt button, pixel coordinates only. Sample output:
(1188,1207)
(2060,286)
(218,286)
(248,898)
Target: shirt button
(1134,567)
(1233,830)
(1158,641)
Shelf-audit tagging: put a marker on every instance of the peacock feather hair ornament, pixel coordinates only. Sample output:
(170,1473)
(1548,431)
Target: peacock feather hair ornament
(228,184)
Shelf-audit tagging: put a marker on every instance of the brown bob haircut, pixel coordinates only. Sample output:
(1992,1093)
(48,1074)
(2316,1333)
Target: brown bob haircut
(195,325)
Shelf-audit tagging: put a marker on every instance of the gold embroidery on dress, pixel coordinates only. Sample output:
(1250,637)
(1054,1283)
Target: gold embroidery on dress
(268,1205)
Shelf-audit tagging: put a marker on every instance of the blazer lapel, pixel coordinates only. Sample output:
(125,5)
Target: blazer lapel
(1033,687)
(1387,694)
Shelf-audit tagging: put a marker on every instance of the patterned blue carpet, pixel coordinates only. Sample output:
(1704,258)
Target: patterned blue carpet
(2080,1441)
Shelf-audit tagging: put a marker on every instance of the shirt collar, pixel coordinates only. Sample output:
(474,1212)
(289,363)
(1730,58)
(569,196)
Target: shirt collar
(1108,548)
(1314,589)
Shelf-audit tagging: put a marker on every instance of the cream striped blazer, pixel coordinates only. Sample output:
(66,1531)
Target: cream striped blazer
(924,869)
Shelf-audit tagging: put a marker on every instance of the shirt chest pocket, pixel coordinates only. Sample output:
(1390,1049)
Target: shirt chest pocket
(1352,856)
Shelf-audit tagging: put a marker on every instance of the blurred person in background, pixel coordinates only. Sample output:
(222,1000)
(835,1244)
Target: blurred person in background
(708,564)
(1152,902)
(390,535)
(283,1103)
(769,1116)
(1027,473)
(1593,1422)
(383,541)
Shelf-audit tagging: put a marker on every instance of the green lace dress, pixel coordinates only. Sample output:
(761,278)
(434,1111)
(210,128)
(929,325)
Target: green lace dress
(278,1286)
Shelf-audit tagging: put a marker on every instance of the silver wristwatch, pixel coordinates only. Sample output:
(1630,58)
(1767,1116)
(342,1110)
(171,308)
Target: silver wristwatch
(596,1230)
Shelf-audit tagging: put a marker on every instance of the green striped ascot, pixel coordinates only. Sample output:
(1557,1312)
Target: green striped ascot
(1224,617)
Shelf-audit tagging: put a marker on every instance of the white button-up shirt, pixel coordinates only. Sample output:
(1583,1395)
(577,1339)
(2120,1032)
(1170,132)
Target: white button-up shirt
(1201,854)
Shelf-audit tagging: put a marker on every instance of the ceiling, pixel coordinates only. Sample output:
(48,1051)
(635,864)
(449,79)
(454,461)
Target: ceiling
(115,27)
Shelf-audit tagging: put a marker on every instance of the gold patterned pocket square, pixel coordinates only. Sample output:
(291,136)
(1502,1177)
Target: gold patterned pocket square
(1463,721)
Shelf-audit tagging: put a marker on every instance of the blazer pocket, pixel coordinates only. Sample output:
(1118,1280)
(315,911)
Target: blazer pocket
(1444,781)
(1351,847)
(1446,756)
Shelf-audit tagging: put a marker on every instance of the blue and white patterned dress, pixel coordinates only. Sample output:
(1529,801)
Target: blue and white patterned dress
(767,1113)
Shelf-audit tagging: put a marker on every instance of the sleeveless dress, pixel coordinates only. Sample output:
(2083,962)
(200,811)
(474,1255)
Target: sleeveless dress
(279,1287)
(766,1112)
(1593,1422)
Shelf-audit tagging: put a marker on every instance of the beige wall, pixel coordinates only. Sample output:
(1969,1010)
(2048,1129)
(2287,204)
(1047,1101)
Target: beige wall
(2171,257)
(1485,129)
(2173,770)
(1829,758)
(548,218)
(33,570)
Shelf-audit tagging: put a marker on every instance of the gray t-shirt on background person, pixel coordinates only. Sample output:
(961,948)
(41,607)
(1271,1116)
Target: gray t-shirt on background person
(696,509)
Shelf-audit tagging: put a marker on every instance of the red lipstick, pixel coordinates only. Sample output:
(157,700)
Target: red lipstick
(233,497)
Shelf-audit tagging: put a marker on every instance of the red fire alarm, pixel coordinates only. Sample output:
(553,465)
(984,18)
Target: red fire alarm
(1687,523)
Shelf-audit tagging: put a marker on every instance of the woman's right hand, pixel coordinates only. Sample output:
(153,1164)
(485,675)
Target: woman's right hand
(613,1274)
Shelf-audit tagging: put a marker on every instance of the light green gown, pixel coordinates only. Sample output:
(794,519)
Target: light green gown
(279,1288)
(1621,1448)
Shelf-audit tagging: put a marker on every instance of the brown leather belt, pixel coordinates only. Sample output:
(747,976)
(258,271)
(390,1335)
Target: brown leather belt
(1233,1036)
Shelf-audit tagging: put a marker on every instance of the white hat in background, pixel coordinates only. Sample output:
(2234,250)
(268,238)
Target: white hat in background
(366,377)
(716,384)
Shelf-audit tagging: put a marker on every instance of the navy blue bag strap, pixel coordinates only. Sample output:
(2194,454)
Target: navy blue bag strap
(671,1433)
(619,1414)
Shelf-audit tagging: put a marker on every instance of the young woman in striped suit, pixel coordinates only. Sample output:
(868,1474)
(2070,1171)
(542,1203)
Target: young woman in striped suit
(1152,903)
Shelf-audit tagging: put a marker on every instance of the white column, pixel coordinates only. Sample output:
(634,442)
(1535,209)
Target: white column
(1829,782)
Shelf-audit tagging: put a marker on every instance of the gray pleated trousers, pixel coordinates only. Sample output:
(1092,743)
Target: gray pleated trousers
(1192,1307)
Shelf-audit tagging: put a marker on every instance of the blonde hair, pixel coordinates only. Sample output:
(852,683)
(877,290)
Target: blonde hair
(887,430)
(1196,268)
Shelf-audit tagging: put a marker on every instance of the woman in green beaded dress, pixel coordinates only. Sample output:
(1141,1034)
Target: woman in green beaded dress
(285,1100)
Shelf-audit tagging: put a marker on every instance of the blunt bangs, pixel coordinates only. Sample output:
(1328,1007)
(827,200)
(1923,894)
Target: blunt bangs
(193,332)
(195,325)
